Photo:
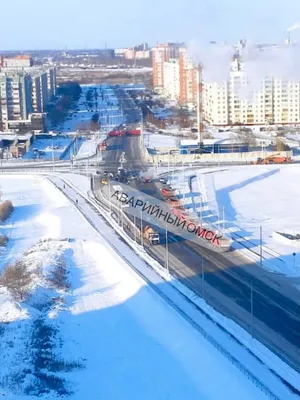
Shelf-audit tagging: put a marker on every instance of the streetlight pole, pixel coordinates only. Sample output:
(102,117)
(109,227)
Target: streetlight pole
(167,251)
(142,238)
(134,221)
(251,306)
(53,166)
(260,241)
(109,199)
(202,277)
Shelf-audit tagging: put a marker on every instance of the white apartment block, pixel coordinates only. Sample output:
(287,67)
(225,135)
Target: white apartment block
(239,101)
(40,95)
(15,96)
(51,81)
(23,91)
(171,79)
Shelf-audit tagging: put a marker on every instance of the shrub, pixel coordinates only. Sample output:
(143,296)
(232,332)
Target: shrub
(6,208)
(3,240)
(16,278)
(58,277)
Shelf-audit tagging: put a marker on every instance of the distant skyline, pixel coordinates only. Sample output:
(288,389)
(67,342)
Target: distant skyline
(60,24)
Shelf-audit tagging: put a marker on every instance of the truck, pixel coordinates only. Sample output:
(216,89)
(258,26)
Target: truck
(102,146)
(151,235)
(174,202)
(165,192)
(147,179)
(274,159)
(116,133)
(133,132)
(122,174)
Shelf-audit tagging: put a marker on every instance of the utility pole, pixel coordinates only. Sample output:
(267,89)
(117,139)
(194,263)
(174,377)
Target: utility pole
(142,130)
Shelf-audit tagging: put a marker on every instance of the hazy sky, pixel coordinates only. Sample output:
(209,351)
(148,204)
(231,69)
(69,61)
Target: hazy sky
(33,24)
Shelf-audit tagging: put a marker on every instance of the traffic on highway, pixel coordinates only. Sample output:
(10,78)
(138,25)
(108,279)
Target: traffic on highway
(262,303)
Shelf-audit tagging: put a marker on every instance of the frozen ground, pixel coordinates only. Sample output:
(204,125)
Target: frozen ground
(240,200)
(110,336)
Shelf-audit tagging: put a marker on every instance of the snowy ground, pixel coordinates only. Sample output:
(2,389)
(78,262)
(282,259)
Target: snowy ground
(110,336)
(154,140)
(89,147)
(107,107)
(51,148)
(240,200)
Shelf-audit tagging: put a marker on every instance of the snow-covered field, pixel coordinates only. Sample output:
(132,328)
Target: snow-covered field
(88,148)
(249,197)
(109,335)
(154,140)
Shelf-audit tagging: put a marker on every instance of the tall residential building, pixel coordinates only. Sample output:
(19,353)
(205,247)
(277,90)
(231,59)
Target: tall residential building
(188,77)
(24,89)
(237,100)
(15,96)
(171,79)
(161,54)
(40,95)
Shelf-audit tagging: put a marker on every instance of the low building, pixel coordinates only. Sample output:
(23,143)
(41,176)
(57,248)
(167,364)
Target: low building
(37,122)
(12,145)
(20,61)
(214,146)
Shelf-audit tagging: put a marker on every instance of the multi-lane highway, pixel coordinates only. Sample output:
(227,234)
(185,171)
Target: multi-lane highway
(263,303)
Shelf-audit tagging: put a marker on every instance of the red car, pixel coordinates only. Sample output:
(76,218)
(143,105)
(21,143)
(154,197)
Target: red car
(133,132)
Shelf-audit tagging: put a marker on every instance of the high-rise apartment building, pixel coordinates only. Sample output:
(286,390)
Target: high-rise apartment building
(171,79)
(175,74)
(24,88)
(40,95)
(160,54)
(15,96)
(51,81)
(188,79)
(239,100)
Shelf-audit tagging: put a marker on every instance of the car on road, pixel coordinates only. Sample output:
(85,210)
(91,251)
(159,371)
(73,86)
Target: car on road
(163,180)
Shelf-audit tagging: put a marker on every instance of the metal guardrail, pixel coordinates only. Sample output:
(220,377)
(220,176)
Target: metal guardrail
(207,336)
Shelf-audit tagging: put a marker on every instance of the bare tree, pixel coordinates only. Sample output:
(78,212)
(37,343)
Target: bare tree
(247,137)
(17,279)
(6,208)
(58,276)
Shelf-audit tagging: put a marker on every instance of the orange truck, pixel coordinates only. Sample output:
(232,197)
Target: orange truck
(275,159)
(151,235)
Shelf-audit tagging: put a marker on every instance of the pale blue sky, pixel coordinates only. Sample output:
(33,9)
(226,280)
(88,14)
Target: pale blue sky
(33,24)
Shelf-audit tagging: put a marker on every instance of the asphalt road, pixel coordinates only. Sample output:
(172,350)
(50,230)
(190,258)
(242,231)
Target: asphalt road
(227,281)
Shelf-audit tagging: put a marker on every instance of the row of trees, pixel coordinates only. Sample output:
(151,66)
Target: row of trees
(67,94)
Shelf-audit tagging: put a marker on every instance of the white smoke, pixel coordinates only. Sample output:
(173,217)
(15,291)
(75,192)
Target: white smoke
(274,62)
(294,27)
(279,62)
(215,60)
